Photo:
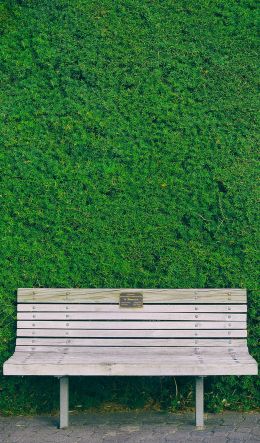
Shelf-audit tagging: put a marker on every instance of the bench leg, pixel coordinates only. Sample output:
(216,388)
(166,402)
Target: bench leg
(199,402)
(64,402)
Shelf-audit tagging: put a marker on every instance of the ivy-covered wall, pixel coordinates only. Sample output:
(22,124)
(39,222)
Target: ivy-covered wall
(128,159)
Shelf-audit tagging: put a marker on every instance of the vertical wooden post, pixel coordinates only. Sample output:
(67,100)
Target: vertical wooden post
(199,402)
(64,402)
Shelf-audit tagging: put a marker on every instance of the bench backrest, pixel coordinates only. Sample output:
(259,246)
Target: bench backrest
(94,317)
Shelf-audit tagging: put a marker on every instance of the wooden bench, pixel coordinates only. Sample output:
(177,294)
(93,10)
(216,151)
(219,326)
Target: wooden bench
(137,332)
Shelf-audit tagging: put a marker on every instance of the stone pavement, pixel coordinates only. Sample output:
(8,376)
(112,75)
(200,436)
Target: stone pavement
(131,427)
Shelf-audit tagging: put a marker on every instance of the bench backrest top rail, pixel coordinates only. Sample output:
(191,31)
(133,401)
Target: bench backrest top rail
(90,295)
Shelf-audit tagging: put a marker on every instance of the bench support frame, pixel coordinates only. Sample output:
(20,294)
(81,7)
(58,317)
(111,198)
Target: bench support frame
(199,402)
(64,402)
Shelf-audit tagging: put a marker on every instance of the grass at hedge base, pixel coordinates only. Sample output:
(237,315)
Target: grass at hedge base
(128,158)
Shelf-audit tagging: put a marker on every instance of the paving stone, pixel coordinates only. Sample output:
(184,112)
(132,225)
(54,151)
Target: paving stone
(251,418)
(236,440)
(174,440)
(178,436)
(238,436)
(197,439)
(219,434)
(256,430)
(215,440)
(243,430)
(226,428)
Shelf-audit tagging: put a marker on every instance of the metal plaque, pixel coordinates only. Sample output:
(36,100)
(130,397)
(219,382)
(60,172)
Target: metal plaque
(131,300)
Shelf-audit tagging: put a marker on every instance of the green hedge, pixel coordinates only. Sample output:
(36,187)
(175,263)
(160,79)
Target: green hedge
(128,158)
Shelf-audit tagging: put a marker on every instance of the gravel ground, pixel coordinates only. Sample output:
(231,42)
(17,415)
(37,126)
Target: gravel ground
(130,427)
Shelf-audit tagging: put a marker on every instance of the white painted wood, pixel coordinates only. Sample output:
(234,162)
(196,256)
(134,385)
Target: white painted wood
(130,316)
(228,333)
(73,342)
(130,324)
(94,307)
(65,295)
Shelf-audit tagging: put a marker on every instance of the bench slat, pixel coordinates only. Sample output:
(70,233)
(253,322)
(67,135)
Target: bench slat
(66,359)
(173,368)
(228,333)
(130,325)
(62,307)
(65,295)
(73,342)
(137,315)
(132,354)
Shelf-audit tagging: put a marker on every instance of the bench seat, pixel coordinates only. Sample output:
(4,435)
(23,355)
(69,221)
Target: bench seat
(130,332)
(132,361)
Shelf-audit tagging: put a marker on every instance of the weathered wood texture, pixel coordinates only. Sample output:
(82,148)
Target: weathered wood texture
(138,315)
(123,369)
(154,308)
(65,295)
(34,343)
(119,354)
(53,324)
(124,362)
(176,332)
(141,333)
(146,350)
